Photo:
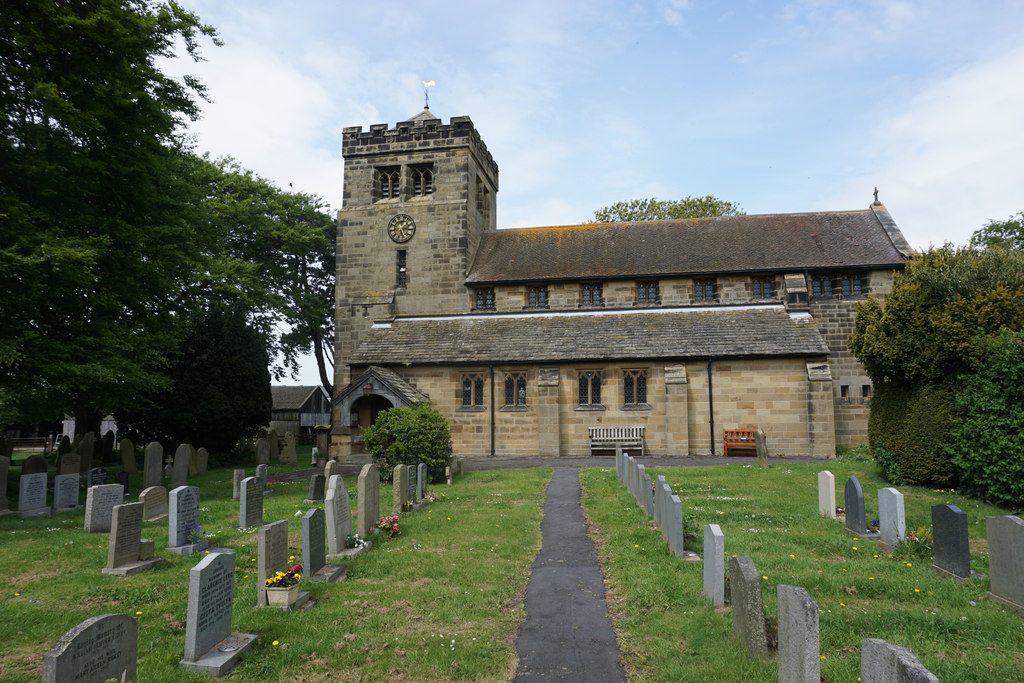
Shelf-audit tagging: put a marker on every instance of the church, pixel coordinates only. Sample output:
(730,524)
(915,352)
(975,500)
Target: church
(528,338)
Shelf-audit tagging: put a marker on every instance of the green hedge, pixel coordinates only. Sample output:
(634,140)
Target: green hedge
(908,431)
(410,435)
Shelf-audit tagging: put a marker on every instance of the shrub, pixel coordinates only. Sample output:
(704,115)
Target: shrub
(410,435)
(908,430)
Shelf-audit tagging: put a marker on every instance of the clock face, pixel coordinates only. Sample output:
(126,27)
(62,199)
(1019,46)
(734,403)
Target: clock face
(401,228)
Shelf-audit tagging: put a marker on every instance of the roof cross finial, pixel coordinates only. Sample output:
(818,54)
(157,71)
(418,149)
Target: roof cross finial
(876,195)
(426,95)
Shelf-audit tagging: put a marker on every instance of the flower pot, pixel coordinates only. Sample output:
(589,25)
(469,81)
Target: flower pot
(282,597)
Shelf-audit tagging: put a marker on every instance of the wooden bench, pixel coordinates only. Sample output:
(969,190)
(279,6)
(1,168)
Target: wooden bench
(739,440)
(604,438)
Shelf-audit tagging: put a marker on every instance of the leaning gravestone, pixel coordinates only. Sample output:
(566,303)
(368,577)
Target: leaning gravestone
(153,459)
(827,494)
(272,557)
(99,649)
(882,662)
(714,565)
(154,501)
(5,467)
(262,451)
(210,645)
(250,503)
(949,535)
(99,507)
(314,558)
(748,606)
(70,463)
(799,641)
(35,464)
(183,518)
(368,504)
(316,489)
(127,448)
(127,552)
(182,462)
(892,521)
(288,455)
(65,492)
(1006,560)
(32,495)
(202,460)
(400,497)
(97,477)
(854,502)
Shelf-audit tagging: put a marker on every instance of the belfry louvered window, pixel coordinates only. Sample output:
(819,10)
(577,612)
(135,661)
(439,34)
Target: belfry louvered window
(422,180)
(388,183)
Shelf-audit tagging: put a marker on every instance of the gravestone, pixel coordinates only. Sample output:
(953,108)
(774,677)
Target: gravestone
(263,474)
(666,499)
(127,552)
(106,451)
(618,461)
(314,456)
(648,493)
(410,493)
(827,494)
(127,449)
(64,445)
(314,558)
(330,469)
(714,564)
(421,480)
(799,642)
(323,442)
(122,479)
(316,489)
(182,463)
(262,451)
(236,483)
(638,486)
(882,662)
(154,501)
(85,449)
(747,606)
(152,460)
(183,518)
(338,512)
(97,477)
(5,468)
(210,645)
(202,460)
(272,557)
(70,463)
(399,497)
(368,502)
(288,455)
(761,448)
(273,440)
(949,535)
(659,504)
(250,504)
(99,507)
(1006,560)
(65,492)
(854,503)
(892,521)
(98,649)
(675,525)
(32,495)
(35,464)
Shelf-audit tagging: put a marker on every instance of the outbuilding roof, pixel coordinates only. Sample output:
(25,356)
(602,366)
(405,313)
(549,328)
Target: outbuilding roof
(291,397)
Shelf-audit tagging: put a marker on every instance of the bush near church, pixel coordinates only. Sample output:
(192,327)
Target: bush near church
(409,435)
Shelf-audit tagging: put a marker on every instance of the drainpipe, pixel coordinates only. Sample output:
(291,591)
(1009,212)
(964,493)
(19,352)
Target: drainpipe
(492,410)
(711,408)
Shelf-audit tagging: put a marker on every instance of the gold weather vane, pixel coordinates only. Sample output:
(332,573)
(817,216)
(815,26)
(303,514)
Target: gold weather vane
(426,95)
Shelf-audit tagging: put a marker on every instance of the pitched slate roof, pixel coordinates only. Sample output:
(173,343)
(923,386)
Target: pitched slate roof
(725,244)
(552,337)
(291,397)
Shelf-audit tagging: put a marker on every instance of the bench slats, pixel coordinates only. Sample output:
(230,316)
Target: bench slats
(602,437)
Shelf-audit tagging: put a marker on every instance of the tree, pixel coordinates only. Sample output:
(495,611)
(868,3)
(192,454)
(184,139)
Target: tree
(659,210)
(1008,233)
(408,435)
(95,246)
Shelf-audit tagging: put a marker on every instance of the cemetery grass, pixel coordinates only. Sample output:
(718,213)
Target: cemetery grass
(441,601)
(667,631)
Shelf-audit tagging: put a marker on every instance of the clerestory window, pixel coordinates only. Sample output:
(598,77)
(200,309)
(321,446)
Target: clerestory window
(485,298)
(705,291)
(537,297)
(591,294)
(647,293)
(761,288)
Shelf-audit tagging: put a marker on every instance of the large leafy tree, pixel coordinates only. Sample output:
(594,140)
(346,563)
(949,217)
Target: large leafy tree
(1008,233)
(95,246)
(657,210)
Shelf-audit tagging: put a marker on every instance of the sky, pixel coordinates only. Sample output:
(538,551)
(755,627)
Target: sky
(777,106)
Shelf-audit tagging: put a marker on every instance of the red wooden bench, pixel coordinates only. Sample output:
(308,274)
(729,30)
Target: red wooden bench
(739,440)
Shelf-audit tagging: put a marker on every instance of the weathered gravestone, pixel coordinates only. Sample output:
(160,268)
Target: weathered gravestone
(949,535)
(210,645)
(714,565)
(154,501)
(273,440)
(63,446)
(122,479)
(338,512)
(250,503)
(314,558)
(183,521)
(799,642)
(202,460)
(323,440)
(317,484)
(99,507)
(410,493)
(399,499)
(127,448)
(65,492)
(882,662)
(182,462)
(127,552)
(272,557)
(99,649)
(827,494)
(85,449)
(892,521)
(747,606)
(648,500)
(5,468)
(152,460)
(263,473)
(421,480)
(1006,560)
(236,483)
(70,463)
(35,464)
(97,476)
(331,468)
(314,456)
(854,503)
(262,451)
(32,495)
(368,503)
(761,448)
(288,455)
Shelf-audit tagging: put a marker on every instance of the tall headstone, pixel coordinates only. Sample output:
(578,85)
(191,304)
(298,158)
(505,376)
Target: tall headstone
(949,535)
(85,449)
(748,606)
(421,480)
(410,491)
(262,451)
(182,462)
(65,492)
(127,449)
(32,495)
(368,503)
(272,557)
(127,552)
(154,502)
(638,486)
(250,504)
(648,494)
(97,476)
(854,496)
(5,467)
(70,463)
(1006,560)
(35,464)
(338,512)
(666,517)
(236,483)
(799,642)
(399,498)
(99,507)
(714,564)
(98,649)
(202,460)
(882,662)
(106,446)
(761,448)
(263,474)
(210,645)
(288,455)
(152,461)
(892,521)
(675,525)
(659,504)
(323,441)
(184,517)
(827,494)
(618,461)
(314,557)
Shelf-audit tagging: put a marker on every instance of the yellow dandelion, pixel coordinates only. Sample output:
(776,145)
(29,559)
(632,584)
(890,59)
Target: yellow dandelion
(765,578)
(871,578)
(274,643)
(917,590)
(792,557)
(854,547)
(17,594)
(842,604)
(138,613)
